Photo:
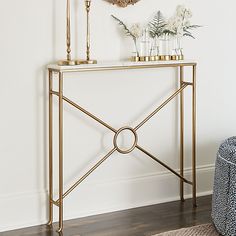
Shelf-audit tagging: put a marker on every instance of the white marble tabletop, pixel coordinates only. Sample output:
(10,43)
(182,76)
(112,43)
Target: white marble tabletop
(120,65)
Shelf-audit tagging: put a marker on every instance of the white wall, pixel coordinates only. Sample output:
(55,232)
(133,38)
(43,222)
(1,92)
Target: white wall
(32,35)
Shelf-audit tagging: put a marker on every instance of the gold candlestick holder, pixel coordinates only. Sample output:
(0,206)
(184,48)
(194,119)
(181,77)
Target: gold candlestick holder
(88,37)
(67,61)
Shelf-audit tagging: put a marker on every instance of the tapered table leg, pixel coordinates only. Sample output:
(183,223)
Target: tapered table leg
(50,150)
(194,138)
(60,152)
(181,134)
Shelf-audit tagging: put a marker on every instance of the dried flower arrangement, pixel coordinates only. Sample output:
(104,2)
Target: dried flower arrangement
(162,29)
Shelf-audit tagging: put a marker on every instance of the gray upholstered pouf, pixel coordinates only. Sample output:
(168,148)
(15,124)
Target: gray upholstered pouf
(224,195)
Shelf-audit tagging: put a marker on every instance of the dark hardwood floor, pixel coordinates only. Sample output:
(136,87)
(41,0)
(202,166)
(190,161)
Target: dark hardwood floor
(143,221)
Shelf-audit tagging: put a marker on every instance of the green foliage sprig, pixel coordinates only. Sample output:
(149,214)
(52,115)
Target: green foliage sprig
(127,32)
(157,25)
(126,29)
(187,30)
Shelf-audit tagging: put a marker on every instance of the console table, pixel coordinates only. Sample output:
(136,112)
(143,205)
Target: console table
(60,72)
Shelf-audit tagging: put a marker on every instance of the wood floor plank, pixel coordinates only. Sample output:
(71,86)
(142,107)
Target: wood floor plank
(143,221)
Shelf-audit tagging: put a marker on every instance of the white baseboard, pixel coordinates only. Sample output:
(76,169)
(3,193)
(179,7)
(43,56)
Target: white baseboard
(29,209)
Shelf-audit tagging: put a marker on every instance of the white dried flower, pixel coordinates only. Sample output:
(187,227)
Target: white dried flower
(188,14)
(178,23)
(171,24)
(180,9)
(183,12)
(175,25)
(136,30)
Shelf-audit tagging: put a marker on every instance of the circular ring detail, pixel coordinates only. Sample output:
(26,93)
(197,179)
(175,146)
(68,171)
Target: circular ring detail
(134,144)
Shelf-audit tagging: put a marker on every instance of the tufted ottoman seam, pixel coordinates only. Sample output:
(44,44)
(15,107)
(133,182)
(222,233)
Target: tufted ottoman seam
(229,162)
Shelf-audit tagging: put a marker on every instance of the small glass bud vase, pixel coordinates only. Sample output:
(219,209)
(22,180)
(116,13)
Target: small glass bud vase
(177,51)
(145,46)
(165,50)
(136,50)
(154,49)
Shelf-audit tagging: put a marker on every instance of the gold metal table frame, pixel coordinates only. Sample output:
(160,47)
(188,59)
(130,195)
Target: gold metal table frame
(61,70)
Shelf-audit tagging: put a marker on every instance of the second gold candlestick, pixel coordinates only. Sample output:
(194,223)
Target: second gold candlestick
(88,39)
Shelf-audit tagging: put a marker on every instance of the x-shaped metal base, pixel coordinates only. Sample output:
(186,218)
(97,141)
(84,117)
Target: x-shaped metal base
(116,148)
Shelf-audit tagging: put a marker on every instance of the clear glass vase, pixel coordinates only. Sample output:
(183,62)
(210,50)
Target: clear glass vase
(136,50)
(177,50)
(165,47)
(154,49)
(145,44)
